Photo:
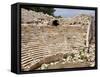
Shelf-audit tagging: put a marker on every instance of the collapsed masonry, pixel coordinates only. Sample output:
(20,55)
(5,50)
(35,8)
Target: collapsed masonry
(44,43)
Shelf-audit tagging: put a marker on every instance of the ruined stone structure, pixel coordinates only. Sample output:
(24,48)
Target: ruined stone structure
(43,43)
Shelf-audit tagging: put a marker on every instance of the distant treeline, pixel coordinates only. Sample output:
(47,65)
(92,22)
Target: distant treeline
(45,10)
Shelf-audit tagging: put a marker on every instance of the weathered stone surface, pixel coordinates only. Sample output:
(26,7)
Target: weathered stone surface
(68,65)
(43,43)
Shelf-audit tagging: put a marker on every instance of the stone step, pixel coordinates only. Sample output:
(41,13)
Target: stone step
(68,65)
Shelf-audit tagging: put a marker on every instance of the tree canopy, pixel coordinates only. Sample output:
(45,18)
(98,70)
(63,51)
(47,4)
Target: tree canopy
(45,10)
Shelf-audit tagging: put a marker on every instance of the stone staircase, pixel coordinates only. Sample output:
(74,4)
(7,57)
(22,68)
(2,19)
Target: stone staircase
(42,44)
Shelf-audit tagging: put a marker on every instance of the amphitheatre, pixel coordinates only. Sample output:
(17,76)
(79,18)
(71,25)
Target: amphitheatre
(70,44)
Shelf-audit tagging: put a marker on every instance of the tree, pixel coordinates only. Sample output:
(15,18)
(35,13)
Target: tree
(45,10)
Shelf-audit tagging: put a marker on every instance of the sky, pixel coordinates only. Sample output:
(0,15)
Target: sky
(72,12)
